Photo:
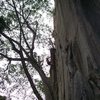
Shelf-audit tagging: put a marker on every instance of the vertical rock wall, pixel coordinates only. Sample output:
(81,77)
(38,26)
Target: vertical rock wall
(75,51)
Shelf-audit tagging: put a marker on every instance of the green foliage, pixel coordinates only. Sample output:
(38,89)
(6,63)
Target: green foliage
(2,98)
(40,85)
(4,23)
(11,16)
(12,68)
(35,5)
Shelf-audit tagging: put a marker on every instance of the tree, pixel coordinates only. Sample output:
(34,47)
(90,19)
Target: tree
(74,72)
(19,29)
(76,33)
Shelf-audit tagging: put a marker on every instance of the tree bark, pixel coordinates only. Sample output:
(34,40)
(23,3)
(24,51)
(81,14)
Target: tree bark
(76,33)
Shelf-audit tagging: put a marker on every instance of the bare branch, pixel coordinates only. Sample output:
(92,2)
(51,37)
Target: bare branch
(5,56)
(31,59)
(9,3)
(33,62)
(8,65)
(32,30)
(30,78)
(21,29)
(14,59)
(13,45)
(28,25)
(34,36)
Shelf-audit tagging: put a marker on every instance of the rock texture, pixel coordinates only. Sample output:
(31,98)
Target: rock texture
(77,49)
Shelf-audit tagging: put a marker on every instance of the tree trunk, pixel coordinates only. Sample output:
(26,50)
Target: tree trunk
(77,33)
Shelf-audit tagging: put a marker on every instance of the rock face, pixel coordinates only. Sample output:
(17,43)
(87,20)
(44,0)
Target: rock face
(77,49)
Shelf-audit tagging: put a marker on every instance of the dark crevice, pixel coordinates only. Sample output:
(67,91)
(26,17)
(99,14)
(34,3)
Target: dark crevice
(92,13)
